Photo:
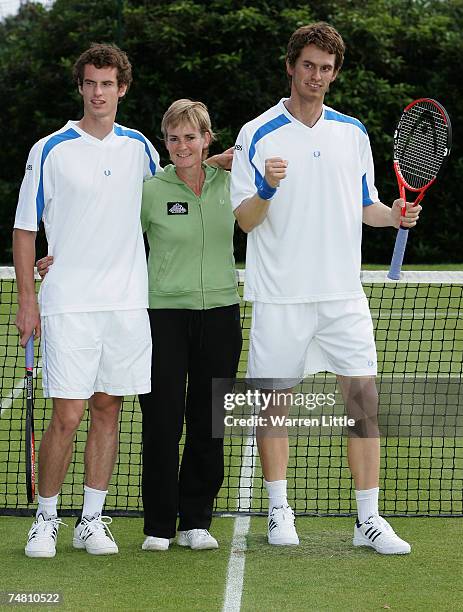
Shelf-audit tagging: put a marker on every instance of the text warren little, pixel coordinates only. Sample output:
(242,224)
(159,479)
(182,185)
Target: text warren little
(281,421)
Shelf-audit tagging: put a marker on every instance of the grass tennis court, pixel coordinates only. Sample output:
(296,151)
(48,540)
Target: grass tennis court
(323,573)
(420,348)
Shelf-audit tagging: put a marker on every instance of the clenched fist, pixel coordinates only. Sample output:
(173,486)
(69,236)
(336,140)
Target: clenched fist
(275,171)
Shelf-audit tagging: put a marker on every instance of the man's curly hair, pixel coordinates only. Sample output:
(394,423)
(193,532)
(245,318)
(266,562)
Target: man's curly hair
(102,55)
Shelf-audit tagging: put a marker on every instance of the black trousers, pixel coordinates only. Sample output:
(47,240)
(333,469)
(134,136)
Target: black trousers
(193,346)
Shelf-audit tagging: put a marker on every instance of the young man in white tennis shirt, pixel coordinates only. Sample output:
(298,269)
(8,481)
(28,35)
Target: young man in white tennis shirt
(85,183)
(302,183)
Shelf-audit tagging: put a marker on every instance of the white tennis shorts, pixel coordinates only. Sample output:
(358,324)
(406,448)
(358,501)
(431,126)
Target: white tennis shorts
(88,352)
(290,341)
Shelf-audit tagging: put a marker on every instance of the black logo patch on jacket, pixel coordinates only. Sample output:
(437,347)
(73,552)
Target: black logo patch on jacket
(177,208)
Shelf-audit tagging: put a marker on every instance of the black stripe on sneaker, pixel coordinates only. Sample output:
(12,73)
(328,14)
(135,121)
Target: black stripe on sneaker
(378,534)
(368,530)
(271,525)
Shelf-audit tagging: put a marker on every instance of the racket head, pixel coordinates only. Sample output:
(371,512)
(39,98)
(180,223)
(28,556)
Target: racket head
(29,428)
(422,143)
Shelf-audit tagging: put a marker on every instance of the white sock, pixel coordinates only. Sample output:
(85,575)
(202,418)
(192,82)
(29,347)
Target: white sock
(367,503)
(276,490)
(93,501)
(47,505)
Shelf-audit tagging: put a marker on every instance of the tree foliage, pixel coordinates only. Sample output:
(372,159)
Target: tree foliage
(230,54)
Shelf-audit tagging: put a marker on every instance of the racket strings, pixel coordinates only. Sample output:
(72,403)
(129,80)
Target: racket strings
(421,144)
(420,163)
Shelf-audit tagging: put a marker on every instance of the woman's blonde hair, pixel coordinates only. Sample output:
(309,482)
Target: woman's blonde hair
(187,111)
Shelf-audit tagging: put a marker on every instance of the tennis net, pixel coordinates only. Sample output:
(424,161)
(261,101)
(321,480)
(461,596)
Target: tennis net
(419,336)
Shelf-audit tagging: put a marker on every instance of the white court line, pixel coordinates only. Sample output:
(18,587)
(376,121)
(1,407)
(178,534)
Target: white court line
(237,559)
(16,391)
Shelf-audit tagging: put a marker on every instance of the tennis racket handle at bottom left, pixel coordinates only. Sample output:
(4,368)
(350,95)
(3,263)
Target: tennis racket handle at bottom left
(398,254)
(30,352)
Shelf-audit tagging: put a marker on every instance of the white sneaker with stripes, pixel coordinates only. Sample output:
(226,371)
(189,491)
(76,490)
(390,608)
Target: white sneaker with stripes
(281,528)
(378,534)
(41,539)
(93,534)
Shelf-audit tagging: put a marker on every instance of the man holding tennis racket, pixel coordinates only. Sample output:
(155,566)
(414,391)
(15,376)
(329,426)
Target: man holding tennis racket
(302,184)
(85,183)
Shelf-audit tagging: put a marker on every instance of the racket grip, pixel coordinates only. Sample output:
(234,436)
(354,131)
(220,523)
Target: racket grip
(30,353)
(398,254)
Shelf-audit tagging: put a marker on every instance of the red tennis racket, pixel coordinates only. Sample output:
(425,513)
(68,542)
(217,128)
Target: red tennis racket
(422,143)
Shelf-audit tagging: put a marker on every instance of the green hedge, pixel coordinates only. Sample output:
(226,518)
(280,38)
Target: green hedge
(230,54)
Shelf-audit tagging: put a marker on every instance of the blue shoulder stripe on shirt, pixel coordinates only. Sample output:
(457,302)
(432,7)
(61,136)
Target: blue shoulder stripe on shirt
(366,198)
(265,129)
(331,115)
(119,131)
(57,139)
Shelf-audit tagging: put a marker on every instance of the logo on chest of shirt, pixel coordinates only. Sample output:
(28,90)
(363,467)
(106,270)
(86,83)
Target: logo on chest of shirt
(177,208)
(107,172)
(316,153)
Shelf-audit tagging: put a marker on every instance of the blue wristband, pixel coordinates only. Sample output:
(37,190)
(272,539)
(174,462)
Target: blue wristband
(264,190)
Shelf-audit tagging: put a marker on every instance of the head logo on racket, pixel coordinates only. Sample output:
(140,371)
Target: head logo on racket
(422,143)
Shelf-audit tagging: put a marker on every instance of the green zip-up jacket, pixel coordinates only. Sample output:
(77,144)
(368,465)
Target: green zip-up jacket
(191,263)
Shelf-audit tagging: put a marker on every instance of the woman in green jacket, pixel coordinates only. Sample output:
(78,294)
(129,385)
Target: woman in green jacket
(195,327)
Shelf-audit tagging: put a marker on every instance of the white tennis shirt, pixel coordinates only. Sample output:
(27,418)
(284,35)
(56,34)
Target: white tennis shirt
(88,193)
(308,248)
